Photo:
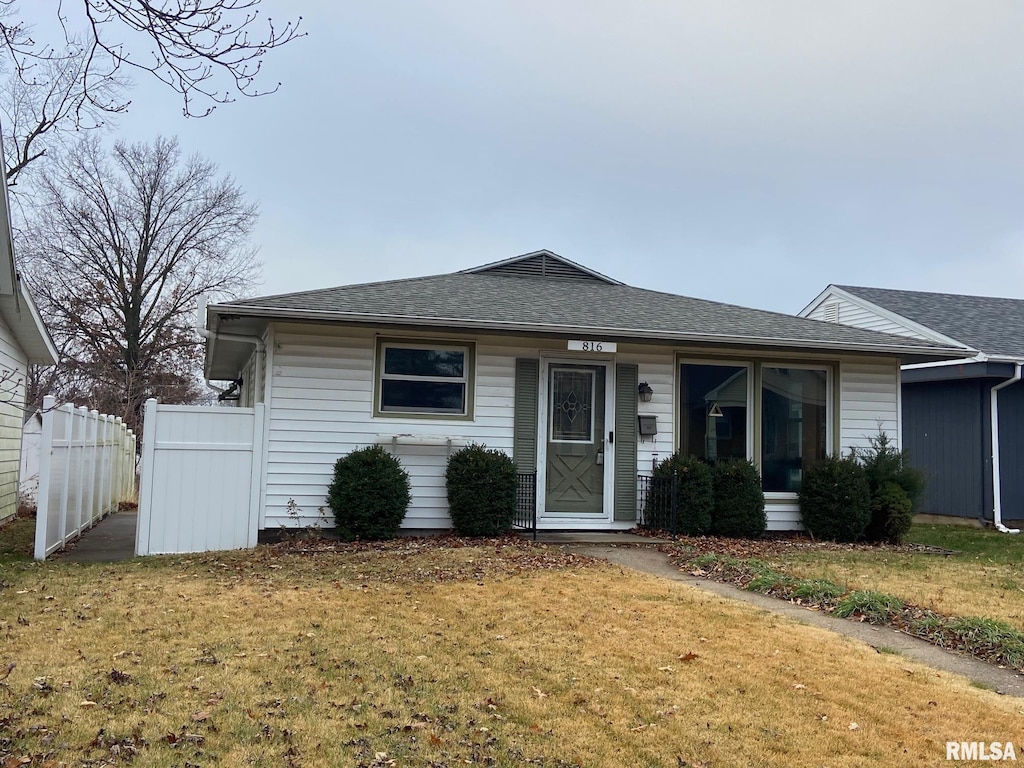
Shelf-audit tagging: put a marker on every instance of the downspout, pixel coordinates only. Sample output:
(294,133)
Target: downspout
(997,504)
(212,337)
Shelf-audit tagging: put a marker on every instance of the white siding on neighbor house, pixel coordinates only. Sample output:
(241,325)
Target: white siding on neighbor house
(869,394)
(854,314)
(13,369)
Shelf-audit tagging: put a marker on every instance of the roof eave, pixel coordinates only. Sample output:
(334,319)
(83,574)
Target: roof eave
(904,351)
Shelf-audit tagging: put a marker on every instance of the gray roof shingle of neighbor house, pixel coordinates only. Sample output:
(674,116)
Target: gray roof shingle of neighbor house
(990,325)
(544,293)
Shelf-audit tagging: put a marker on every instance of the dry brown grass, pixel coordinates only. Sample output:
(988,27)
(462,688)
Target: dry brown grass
(949,586)
(439,656)
(984,577)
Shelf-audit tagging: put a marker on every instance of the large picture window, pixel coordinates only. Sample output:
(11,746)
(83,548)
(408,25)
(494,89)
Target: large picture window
(794,424)
(713,410)
(424,378)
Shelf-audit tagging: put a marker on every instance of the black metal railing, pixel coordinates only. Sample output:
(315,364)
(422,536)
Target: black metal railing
(657,500)
(526,504)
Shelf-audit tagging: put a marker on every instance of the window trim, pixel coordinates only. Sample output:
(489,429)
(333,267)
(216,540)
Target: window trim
(468,379)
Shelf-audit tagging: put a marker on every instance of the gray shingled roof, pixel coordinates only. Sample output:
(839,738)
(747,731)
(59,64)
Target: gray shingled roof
(990,325)
(495,301)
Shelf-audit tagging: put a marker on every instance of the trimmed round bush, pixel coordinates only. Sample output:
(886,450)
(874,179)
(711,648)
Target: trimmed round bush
(695,499)
(369,494)
(738,500)
(835,500)
(482,487)
(892,507)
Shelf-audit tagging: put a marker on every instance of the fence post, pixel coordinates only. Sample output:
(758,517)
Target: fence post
(149,421)
(93,462)
(45,462)
(106,481)
(67,412)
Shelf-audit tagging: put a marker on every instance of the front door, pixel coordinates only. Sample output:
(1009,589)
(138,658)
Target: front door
(575,432)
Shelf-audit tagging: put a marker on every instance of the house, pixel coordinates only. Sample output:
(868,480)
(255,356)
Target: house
(585,381)
(963,419)
(23,341)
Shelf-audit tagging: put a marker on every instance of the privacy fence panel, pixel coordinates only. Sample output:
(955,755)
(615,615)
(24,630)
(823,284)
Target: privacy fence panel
(86,469)
(201,478)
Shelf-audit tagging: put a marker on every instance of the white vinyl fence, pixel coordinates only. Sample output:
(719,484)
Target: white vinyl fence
(201,478)
(86,468)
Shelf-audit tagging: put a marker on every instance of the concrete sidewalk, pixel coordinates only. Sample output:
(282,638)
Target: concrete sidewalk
(112,539)
(657,563)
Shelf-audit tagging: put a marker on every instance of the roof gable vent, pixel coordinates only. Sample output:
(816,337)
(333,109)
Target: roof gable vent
(542,264)
(830,312)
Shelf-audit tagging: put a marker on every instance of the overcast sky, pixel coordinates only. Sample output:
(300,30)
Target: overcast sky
(745,151)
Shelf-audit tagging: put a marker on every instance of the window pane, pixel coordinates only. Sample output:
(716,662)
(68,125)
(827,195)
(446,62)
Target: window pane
(422,396)
(408,361)
(794,424)
(572,405)
(713,411)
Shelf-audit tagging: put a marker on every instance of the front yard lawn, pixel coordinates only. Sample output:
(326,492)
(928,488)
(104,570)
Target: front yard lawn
(984,578)
(445,653)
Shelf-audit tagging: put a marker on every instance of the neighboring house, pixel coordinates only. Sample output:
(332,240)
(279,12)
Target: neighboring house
(556,365)
(963,419)
(23,341)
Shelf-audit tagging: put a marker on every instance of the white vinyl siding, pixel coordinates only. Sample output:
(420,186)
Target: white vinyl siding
(869,399)
(13,367)
(656,366)
(851,313)
(321,409)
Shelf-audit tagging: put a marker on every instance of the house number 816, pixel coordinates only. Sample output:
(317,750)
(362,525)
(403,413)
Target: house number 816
(579,345)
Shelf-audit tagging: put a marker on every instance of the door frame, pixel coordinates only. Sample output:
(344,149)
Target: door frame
(607,497)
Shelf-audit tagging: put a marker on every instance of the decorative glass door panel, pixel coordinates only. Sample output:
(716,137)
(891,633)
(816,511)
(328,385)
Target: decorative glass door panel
(575,440)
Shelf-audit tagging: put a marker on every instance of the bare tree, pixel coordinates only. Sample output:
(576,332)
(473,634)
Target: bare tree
(117,256)
(208,51)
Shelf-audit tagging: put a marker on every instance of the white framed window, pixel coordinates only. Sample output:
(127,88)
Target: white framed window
(424,377)
(796,422)
(714,403)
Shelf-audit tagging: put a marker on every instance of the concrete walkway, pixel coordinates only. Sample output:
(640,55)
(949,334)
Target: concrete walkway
(112,539)
(652,561)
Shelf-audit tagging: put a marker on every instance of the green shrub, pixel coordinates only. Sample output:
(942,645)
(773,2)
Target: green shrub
(694,496)
(481,491)
(884,464)
(369,494)
(891,507)
(835,500)
(738,500)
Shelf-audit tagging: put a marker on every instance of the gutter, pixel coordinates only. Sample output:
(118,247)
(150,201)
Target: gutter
(213,336)
(997,501)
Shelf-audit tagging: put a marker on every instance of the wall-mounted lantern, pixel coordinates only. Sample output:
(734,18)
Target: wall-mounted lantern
(645,392)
